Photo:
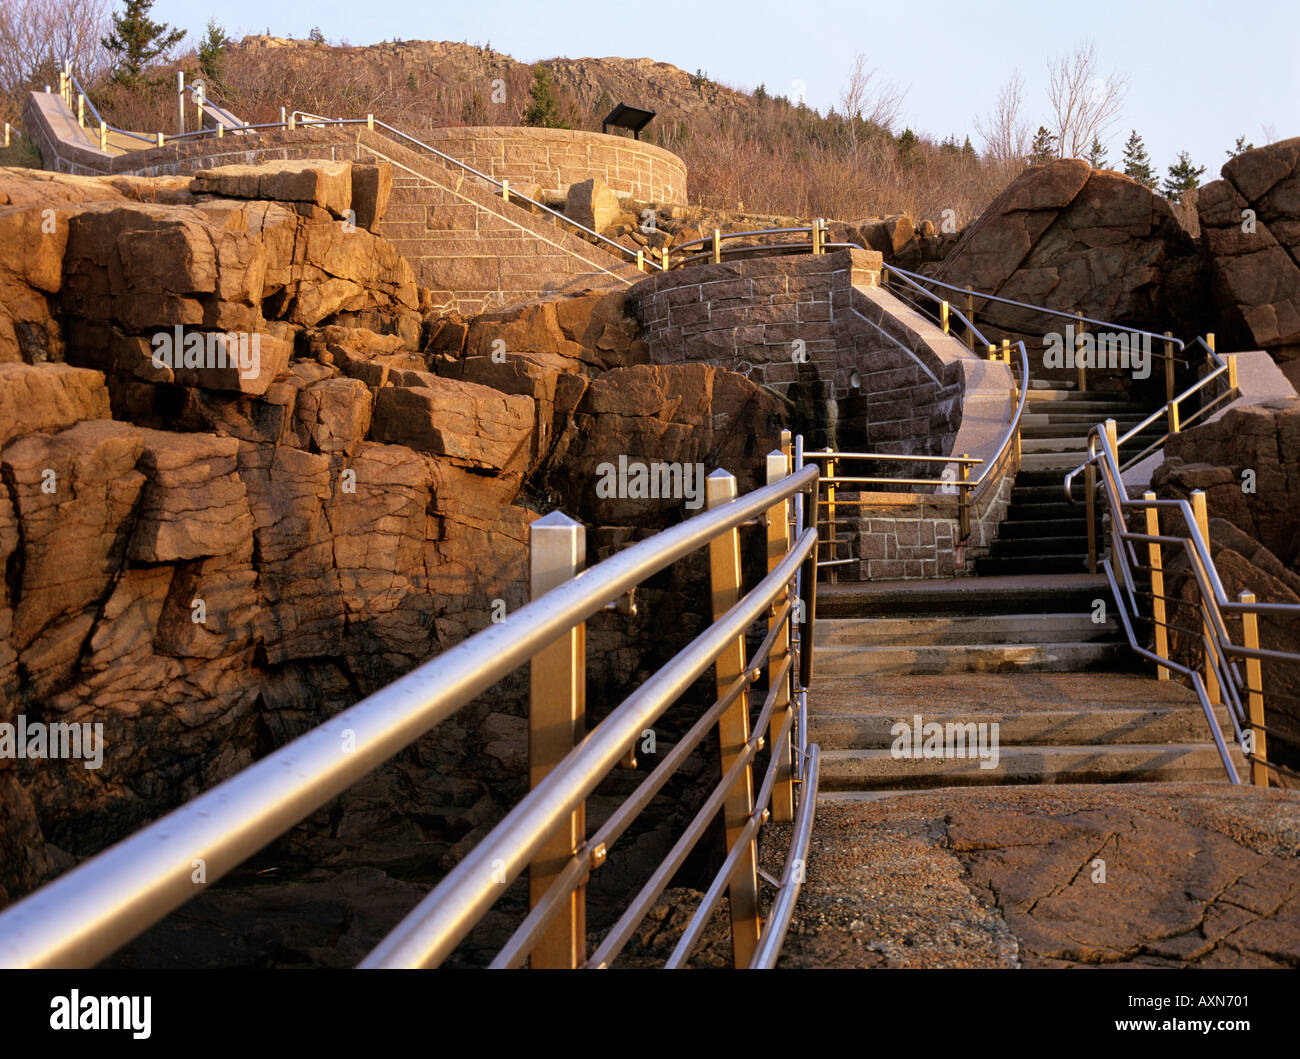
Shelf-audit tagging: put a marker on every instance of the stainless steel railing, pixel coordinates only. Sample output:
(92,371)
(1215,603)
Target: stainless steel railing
(1220,680)
(90,911)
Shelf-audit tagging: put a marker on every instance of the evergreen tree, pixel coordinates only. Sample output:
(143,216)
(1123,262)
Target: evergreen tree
(136,41)
(212,51)
(966,148)
(544,111)
(316,36)
(1240,146)
(1183,177)
(906,144)
(1137,165)
(1097,154)
(1043,149)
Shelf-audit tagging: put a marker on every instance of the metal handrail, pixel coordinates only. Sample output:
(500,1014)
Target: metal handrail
(88,912)
(73,82)
(917,278)
(1221,672)
(1168,411)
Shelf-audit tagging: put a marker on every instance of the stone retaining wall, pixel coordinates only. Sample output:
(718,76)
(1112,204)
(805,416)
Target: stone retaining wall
(865,373)
(552,159)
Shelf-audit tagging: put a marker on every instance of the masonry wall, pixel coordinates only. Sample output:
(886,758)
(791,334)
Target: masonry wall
(877,377)
(552,159)
(805,327)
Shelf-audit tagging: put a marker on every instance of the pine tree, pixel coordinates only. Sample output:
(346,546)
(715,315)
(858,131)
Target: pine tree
(966,148)
(1240,146)
(1097,154)
(136,41)
(1043,149)
(906,144)
(316,36)
(544,111)
(1137,165)
(1183,177)
(212,51)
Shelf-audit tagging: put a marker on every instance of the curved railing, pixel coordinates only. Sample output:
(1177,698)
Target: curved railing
(87,913)
(1221,681)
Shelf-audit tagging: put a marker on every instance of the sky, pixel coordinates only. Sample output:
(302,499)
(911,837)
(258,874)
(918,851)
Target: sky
(1199,74)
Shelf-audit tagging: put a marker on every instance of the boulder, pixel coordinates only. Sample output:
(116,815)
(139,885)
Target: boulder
(371,187)
(311,181)
(592,204)
(1251,223)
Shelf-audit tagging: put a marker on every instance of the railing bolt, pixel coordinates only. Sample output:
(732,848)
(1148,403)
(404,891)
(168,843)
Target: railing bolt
(598,855)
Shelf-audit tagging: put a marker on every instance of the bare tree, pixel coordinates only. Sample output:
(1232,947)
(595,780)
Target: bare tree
(37,35)
(1084,105)
(1005,135)
(861,100)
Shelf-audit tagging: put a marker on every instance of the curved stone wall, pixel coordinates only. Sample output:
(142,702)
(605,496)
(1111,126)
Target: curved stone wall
(552,159)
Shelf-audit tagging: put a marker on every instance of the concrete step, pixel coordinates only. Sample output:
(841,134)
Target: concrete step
(1050,657)
(1066,545)
(975,629)
(1074,397)
(876,768)
(1102,726)
(1016,528)
(1017,593)
(1041,565)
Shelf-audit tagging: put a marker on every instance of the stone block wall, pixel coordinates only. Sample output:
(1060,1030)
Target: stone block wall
(552,159)
(878,376)
(814,330)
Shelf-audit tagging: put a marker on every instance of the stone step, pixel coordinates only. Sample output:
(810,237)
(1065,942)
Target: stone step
(994,565)
(1074,397)
(962,630)
(1051,657)
(1044,461)
(877,768)
(875,729)
(1030,546)
(1048,508)
(1016,528)
(1013,594)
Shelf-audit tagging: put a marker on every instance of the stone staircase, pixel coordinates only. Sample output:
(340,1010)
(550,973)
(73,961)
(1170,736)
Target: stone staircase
(1023,653)
(1044,533)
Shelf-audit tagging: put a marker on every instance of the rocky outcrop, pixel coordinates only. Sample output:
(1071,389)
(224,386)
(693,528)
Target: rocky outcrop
(1068,237)
(1251,223)
(210,561)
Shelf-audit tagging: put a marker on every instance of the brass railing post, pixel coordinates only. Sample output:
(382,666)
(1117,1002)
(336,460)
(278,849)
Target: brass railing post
(733,727)
(1157,585)
(943,316)
(1079,368)
(717,246)
(1169,383)
(778,545)
(832,530)
(505,190)
(970,318)
(1211,656)
(556,724)
(963,497)
(1255,691)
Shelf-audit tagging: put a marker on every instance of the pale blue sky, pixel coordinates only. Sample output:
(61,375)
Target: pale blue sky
(1200,73)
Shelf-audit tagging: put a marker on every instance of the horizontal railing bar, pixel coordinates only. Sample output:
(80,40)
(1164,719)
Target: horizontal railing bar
(430,931)
(895,270)
(92,909)
(824,455)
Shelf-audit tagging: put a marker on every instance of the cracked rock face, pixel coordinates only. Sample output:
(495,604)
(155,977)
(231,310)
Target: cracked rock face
(1142,875)
(1251,223)
(210,564)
